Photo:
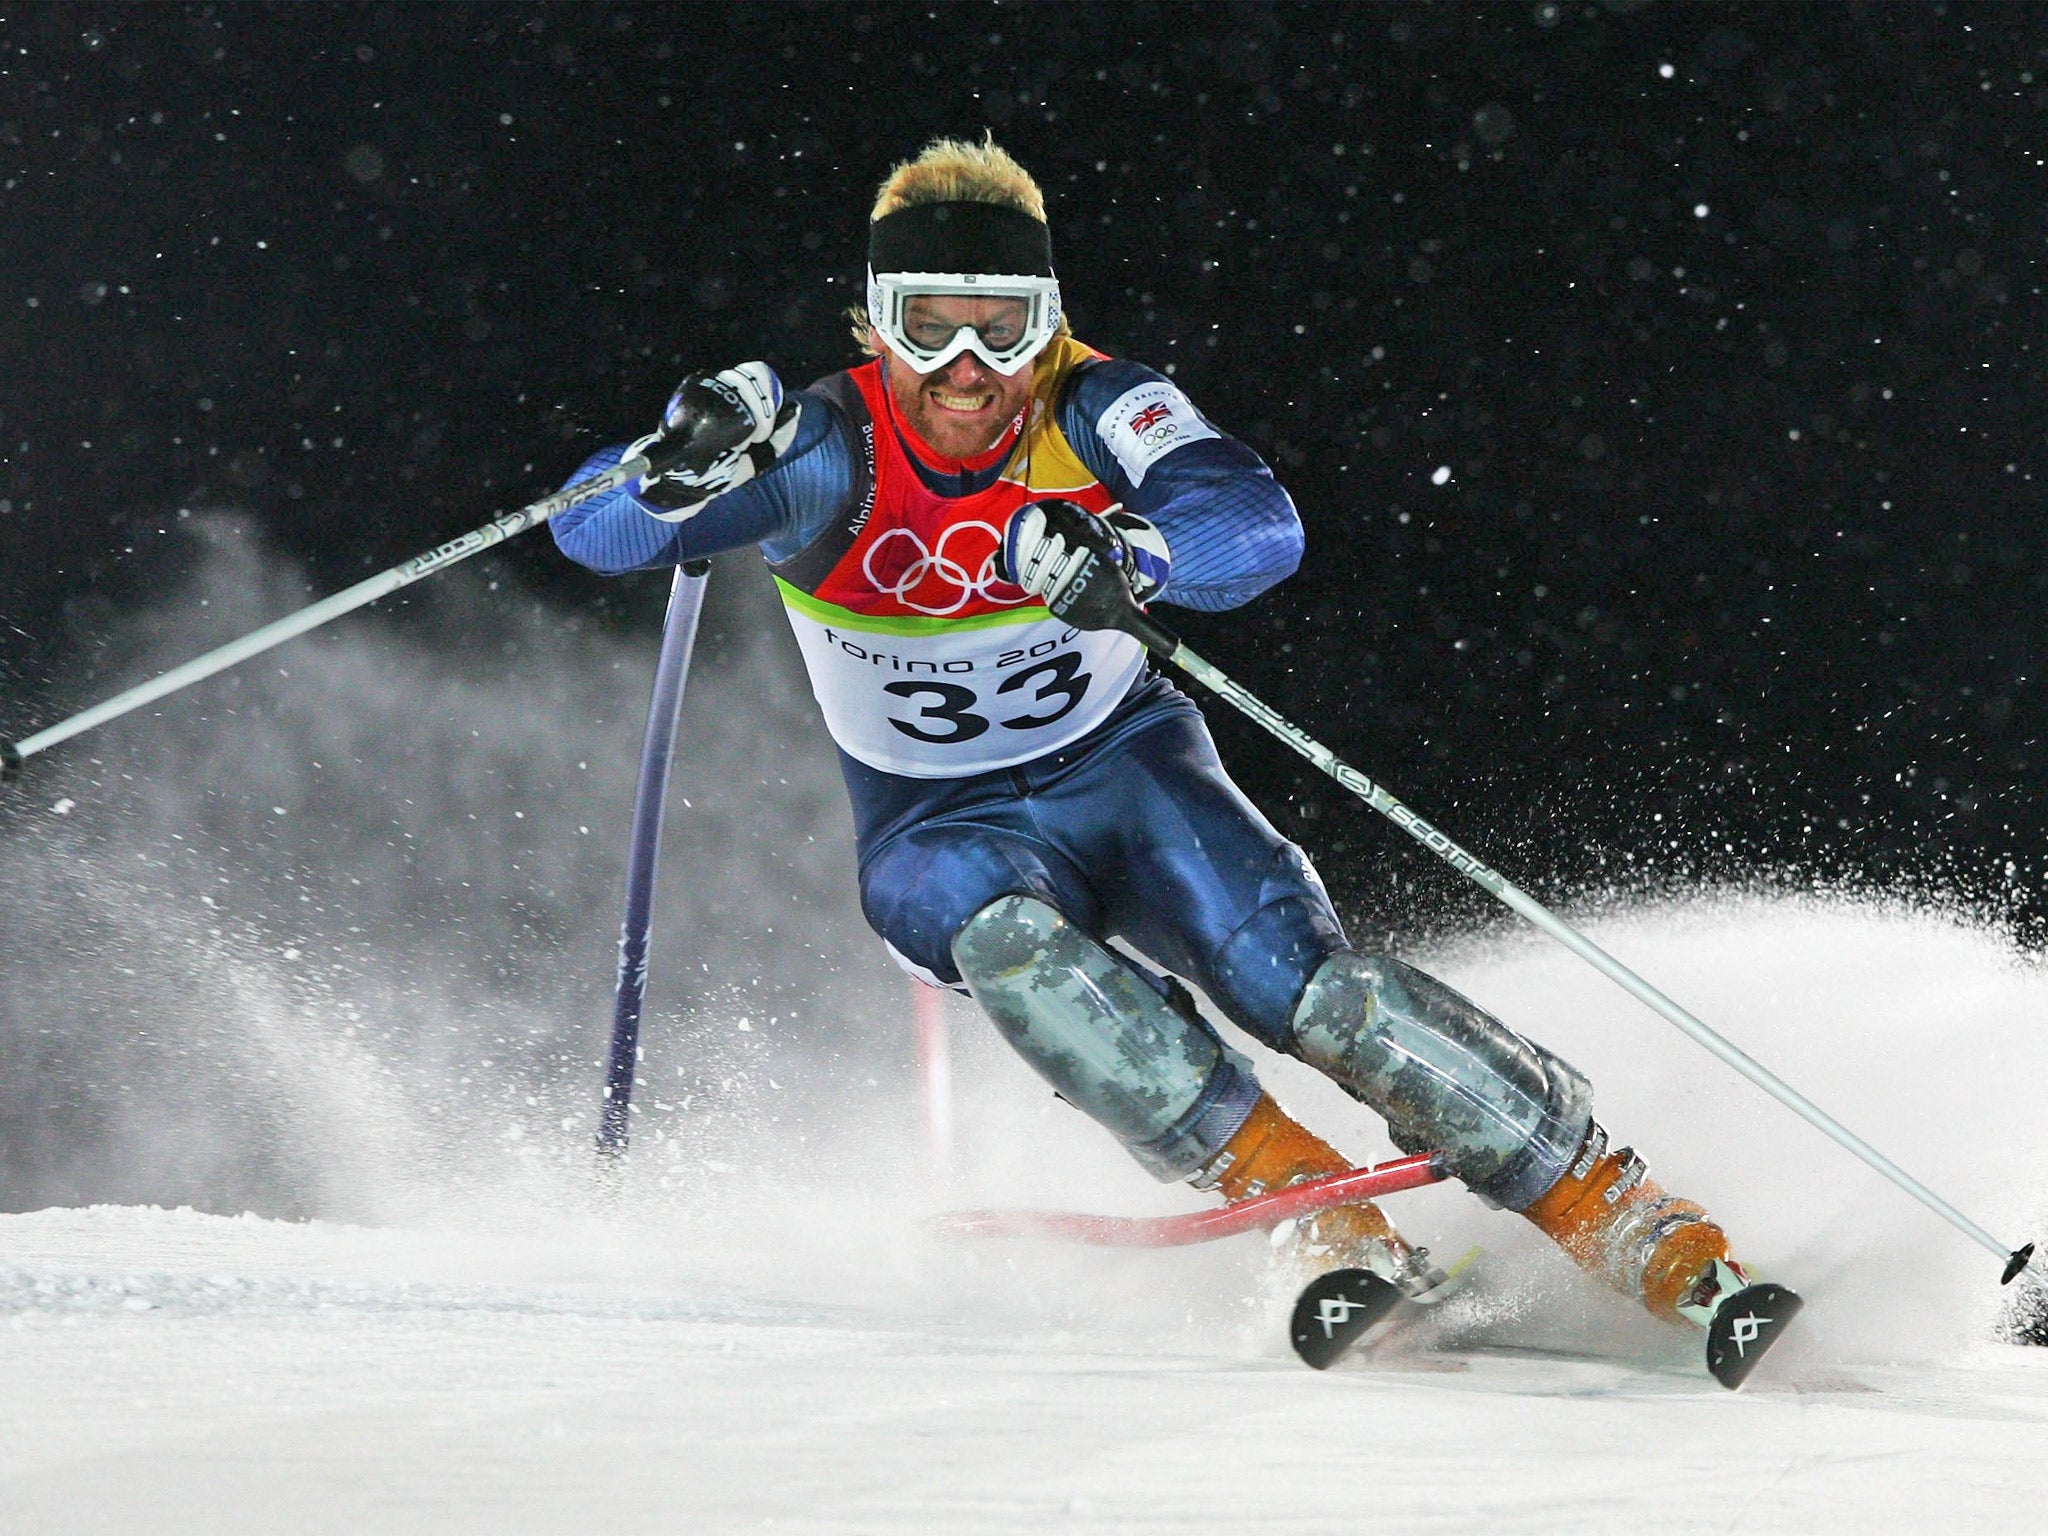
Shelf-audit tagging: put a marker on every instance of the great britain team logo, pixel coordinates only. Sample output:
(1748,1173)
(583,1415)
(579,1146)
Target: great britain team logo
(942,579)
(1147,422)
(1151,416)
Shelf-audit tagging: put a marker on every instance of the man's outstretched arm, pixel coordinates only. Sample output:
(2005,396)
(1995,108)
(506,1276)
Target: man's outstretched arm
(778,492)
(1230,527)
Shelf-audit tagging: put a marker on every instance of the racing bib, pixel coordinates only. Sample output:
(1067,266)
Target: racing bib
(938,698)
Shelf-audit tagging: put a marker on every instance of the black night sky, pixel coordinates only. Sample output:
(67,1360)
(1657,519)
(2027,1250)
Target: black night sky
(1661,384)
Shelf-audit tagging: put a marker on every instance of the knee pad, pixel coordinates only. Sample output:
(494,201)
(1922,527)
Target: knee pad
(1258,975)
(1446,1074)
(1160,1080)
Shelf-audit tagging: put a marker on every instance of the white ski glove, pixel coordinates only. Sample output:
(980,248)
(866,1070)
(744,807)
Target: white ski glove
(730,427)
(1048,542)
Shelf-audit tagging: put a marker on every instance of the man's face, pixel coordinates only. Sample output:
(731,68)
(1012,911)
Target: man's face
(961,409)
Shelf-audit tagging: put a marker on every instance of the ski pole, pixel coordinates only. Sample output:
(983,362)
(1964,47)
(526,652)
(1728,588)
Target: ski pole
(13,754)
(1102,604)
(650,799)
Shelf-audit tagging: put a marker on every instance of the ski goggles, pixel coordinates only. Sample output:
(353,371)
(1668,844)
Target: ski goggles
(948,278)
(930,318)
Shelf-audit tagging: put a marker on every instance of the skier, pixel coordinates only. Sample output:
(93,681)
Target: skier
(1024,791)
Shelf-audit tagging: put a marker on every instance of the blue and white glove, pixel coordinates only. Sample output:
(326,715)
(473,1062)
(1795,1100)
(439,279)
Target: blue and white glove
(1048,543)
(728,426)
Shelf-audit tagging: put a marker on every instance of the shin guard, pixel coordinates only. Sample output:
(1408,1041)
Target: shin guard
(1445,1074)
(1161,1081)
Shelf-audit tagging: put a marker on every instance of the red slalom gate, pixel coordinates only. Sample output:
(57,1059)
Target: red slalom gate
(1267,1210)
(934,1074)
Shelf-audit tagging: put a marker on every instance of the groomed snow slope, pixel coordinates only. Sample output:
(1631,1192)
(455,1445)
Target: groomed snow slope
(794,1353)
(173,1372)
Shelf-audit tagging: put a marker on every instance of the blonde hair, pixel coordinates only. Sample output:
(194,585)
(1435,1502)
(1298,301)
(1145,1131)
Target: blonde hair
(953,171)
(960,171)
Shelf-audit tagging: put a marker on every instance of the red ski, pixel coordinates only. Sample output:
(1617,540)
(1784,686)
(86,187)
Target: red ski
(1267,1210)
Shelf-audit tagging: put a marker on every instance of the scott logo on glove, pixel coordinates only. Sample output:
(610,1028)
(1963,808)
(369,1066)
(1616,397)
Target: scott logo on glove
(724,391)
(717,432)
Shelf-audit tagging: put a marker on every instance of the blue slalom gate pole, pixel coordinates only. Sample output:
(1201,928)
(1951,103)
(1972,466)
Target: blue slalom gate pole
(650,800)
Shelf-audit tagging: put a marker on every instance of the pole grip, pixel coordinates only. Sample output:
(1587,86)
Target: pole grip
(1099,597)
(1154,636)
(10,762)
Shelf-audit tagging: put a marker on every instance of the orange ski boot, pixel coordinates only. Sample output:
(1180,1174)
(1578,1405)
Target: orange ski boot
(1272,1150)
(1619,1224)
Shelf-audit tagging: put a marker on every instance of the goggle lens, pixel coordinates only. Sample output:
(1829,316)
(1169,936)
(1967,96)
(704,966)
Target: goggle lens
(931,330)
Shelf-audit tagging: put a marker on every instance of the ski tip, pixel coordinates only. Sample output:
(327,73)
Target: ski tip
(1335,1311)
(1744,1328)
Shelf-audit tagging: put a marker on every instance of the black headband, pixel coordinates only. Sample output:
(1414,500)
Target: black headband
(960,237)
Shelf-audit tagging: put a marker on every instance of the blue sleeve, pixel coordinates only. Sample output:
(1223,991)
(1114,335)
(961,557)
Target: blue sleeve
(782,510)
(1232,529)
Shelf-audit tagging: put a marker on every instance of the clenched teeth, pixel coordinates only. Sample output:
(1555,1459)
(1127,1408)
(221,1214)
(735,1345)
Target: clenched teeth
(962,402)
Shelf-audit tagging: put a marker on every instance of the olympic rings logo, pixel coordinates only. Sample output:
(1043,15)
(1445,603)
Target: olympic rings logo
(937,581)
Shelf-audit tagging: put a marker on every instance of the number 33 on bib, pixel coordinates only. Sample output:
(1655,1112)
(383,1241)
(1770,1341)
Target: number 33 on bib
(941,697)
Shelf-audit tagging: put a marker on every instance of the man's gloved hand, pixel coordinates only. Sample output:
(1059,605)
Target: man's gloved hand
(1052,545)
(726,428)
